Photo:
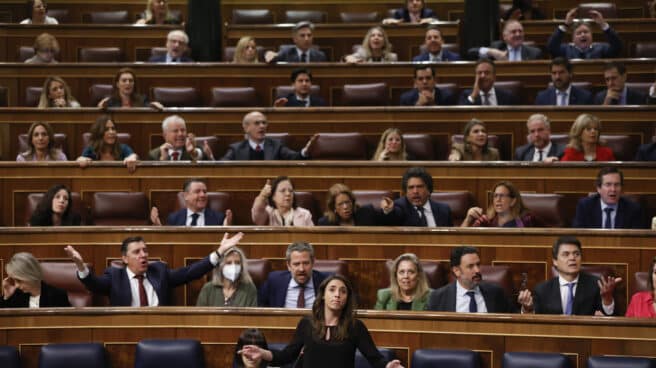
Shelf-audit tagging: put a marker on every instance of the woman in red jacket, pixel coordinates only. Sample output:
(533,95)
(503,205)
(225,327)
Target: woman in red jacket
(584,143)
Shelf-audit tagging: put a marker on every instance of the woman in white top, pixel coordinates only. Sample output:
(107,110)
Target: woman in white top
(276,205)
(375,48)
(36,10)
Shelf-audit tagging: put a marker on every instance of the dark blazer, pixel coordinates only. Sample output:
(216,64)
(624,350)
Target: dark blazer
(633,97)
(587,300)
(274,290)
(503,98)
(162,59)
(212,218)
(141,101)
(595,51)
(403,13)
(409,98)
(646,152)
(50,297)
(527,52)
(526,152)
(446,56)
(290,55)
(404,214)
(273,150)
(444,299)
(153,155)
(588,214)
(115,283)
(292,101)
(363,216)
(577,96)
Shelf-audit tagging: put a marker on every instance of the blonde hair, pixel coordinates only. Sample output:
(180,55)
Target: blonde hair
(244,276)
(239,51)
(149,13)
(583,121)
(44,99)
(422,282)
(331,206)
(24,267)
(46,41)
(402,155)
(387,46)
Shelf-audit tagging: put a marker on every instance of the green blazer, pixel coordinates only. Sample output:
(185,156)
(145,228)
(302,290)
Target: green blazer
(384,301)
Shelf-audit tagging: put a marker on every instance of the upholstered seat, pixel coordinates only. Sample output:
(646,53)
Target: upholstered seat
(642,87)
(32,96)
(9,357)
(259,270)
(229,53)
(212,141)
(429,358)
(295,16)
(535,360)
(368,94)
(60,14)
(547,208)
(119,208)
(339,146)
(107,17)
(583,85)
(645,50)
(4,99)
(252,16)
(492,139)
(176,96)
(216,201)
(624,147)
(372,197)
(32,200)
(620,362)
(501,276)
(63,275)
(307,201)
(99,91)
(608,10)
(419,146)
(451,90)
(359,17)
(332,267)
(459,202)
(82,355)
(100,55)
(640,281)
(234,97)
(361,361)
(169,353)
(515,88)
(25,52)
(436,274)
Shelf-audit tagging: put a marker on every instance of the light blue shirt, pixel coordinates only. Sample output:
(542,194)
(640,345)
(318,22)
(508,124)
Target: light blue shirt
(292,293)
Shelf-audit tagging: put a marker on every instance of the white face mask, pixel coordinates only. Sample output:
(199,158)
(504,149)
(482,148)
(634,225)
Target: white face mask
(231,271)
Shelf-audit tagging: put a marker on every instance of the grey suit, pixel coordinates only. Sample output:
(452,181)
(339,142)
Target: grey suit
(290,55)
(273,150)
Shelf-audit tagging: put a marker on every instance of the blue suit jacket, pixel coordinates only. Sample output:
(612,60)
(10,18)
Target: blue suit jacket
(577,96)
(274,291)
(595,51)
(633,97)
(404,214)
(444,299)
(587,299)
(588,214)
(212,218)
(403,13)
(115,283)
(446,56)
(162,59)
(292,101)
(409,98)
(503,98)
(646,152)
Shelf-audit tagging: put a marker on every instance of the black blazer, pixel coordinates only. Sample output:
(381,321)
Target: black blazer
(363,216)
(444,299)
(646,152)
(162,59)
(527,52)
(290,55)
(292,101)
(588,214)
(446,56)
(595,51)
(50,297)
(633,97)
(403,13)
(409,98)
(273,150)
(404,214)
(212,218)
(526,152)
(577,96)
(503,98)
(587,300)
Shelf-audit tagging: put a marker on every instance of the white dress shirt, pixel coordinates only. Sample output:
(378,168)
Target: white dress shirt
(35,301)
(153,300)
(428,212)
(545,151)
(462,299)
(199,222)
(293,289)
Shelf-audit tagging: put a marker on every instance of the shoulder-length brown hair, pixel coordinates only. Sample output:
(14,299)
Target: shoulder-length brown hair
(331,198)
(346,318)
(97,141)
(53,152)
(465,133)
(401,156)
(45,101)
(583,121)
(422,282)
(136,99)
(519,209)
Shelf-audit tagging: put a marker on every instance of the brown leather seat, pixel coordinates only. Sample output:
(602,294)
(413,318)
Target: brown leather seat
(212,141)
(368,94)
(295,16)
(458,201)
(99,91)
(229,53)
(359,17)
(515,88)
(32,200)
(645,50)
(624,147)
(60,143)
(371,197)
(451,90)
(283,91)
(608,10)
(282,137)
(60,14)
(32,96)
(216,201)
(642,87)
(547,208)
(252,16)
(498,275)
(4,100)
(640,282)
(330,266)
(435,274)
(307,201)
(25,52)
(234,97)
(107,17)
(176,96)
(119,208)
(123,138)
(419,146)
(339,146)
(63,275)
(100,55)
(259,270)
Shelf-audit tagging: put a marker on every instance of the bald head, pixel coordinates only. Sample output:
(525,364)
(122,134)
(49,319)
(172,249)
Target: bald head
(255,125)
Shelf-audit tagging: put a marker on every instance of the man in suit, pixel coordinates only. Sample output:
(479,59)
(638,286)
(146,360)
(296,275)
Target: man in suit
(484,92)
(608,209)
(616,92)
(176,47)
(196,212)
(140,283)
(425,92)
(573,292)
(302,95)
(433,44)
(296,287)
(562,93)
(582,46)
(257,146)
(468,294)
(302,52)
(415,208)
(540,148)
(178,144)
(511,48)
(646,152)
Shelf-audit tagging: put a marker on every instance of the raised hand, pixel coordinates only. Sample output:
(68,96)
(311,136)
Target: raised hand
(525,298)
(281,102)
(569,18)
(309,144)
(228,242)
(227,221)
(164,151)
(387,204)
(265,193)
(597,17)
(476,90)
(8,287)
(154,216)
(75,256)
(607,288)
(207,150)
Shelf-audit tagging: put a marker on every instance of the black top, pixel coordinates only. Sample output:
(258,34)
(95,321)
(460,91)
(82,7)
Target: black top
(403,305)
(318,353)
(50,297)
(363,216)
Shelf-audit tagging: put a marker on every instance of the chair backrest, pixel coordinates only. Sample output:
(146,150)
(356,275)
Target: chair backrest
(100,55)
(436,274)
(642,87)
(282,137)
(608,10)
(515,88)
(278,346)
(307,201)
(123,138)
(372,197)
(620,362)
(234,97)
(368,94)
(284,90)
(107,17)
(645,50)
(212,141)
(362,362)
(32,96)
(176,96)
(622,146)
(63,275)
(259,270)
(548,208)
(451,90)
(252,16)
(4,99)
(82,355)
(359,17)
(641,281)
(216,201)
(33,199)
(419,146)
(99,91)
(9,357)
(25,52)
(428,358)
(60,14)
(169,353)
(459,202)
(500,276)
(534,360)
(339,146)
(583,85)
(119,208)
(331,267)
(295,16)
(60,142)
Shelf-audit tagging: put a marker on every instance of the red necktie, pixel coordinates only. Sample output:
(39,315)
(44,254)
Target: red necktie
(174,155)
(143,299)
(300,303)
(258,148)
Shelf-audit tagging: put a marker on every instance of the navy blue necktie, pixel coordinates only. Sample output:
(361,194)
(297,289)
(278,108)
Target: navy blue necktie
(473,308)
(194,219)
(608,224)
